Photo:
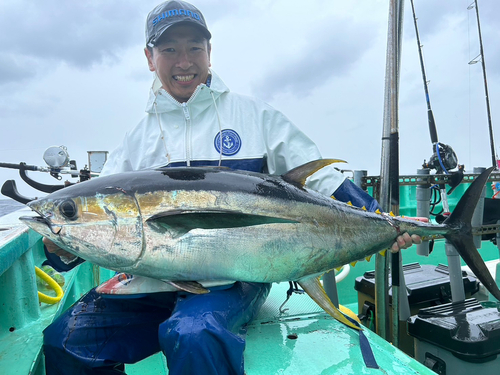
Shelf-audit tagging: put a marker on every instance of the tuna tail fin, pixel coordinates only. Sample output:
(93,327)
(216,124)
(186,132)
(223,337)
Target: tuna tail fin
(460,234)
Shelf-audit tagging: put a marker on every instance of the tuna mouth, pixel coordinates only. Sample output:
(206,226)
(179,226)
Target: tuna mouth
(40,222)
(185,78)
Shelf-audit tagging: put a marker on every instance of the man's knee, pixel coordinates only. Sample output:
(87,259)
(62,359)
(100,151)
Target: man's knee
(193,331)
(201,343)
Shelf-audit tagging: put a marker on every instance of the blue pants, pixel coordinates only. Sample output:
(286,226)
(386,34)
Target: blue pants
(197,333)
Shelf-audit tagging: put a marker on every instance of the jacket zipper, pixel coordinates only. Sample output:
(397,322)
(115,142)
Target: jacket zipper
(187,118)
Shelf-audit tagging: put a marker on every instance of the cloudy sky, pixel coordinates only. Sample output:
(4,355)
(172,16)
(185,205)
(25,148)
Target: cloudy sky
(74,74)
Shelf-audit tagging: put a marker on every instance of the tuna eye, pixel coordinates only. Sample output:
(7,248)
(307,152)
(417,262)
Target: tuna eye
(68,209)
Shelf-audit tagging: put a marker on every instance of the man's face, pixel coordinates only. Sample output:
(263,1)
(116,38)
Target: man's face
(181,60)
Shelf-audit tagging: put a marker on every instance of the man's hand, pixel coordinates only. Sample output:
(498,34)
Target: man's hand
(54,249)
(405,240)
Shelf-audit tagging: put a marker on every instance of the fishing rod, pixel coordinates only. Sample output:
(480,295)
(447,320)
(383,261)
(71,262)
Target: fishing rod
(494,156)
(9,188)
(430,115)
(58,162)
(443,159)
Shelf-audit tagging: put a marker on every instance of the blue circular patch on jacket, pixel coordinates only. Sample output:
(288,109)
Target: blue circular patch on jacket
(231,142)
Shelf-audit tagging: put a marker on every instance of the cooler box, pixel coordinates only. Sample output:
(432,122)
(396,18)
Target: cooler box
(458,338)
(426,285)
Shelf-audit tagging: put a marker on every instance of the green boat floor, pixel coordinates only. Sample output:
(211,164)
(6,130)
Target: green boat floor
(304,340)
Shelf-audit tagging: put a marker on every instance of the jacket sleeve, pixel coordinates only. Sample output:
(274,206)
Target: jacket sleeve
(287,147)
(349,192)
(118,160)
(55,262)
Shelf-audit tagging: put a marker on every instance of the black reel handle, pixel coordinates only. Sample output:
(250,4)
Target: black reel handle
(9,189)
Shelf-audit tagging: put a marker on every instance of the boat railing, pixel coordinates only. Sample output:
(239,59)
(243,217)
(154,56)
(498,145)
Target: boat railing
(22,316)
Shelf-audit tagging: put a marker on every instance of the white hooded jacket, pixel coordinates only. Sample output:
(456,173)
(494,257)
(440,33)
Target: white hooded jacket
(253,135)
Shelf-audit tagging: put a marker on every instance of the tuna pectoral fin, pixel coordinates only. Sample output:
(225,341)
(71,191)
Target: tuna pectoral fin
(180,222)
(189,286)
(315,290)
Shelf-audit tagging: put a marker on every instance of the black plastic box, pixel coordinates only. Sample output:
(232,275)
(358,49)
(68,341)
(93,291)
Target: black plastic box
(426,285)
(458,338)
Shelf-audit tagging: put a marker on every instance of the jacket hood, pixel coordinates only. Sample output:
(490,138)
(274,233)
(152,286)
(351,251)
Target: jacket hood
(165,102)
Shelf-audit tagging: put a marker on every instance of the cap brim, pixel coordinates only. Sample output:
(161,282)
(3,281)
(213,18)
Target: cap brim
(153,41)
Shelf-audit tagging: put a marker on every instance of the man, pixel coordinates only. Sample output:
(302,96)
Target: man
(193,119)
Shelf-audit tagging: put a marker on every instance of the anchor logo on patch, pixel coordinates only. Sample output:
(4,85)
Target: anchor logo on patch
(231,142)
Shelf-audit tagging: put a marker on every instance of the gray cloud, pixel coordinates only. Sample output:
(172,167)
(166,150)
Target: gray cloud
(79,33)
(36,36)
(431,16)
(317,59)
(14,68)
(13,106)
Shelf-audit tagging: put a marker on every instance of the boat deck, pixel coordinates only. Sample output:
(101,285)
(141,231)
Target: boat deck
(304,340)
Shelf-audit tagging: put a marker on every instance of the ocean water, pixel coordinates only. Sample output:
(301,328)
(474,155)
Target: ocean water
(9,205)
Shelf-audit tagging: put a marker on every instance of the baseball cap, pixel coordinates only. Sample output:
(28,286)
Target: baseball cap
(171,13)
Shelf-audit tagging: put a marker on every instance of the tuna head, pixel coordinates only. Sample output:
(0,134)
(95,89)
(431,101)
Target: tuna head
(104,227)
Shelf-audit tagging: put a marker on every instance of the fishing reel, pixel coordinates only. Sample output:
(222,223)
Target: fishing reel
(443,159)
(57,159)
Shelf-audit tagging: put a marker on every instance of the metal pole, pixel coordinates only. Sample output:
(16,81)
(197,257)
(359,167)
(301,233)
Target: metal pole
(389,173)
(497,274)
(477,217)
(358,178)
(330,286)
(423,208)
(455,272)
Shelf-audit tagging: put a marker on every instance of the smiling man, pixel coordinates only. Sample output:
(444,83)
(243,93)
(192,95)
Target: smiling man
(192,119)
(181,59)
